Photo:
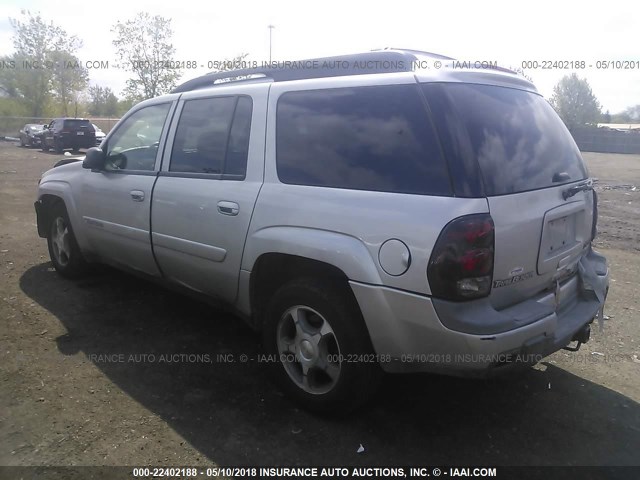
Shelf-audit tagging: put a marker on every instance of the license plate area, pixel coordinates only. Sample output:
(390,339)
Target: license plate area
(563,237)
(80,133)
(560,233)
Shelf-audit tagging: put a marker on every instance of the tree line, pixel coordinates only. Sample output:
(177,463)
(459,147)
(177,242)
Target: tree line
(44,76)
(577,105)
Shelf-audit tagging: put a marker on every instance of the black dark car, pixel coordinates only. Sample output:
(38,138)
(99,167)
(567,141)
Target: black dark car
(29,135)
(68,133)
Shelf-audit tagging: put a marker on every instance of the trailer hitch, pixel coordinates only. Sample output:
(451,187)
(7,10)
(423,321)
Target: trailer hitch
(581,336)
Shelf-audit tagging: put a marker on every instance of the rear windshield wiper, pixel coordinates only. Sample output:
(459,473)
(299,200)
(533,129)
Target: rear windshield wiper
(581,187)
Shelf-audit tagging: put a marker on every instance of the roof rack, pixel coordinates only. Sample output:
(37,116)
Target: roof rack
(416,53)
(377,61)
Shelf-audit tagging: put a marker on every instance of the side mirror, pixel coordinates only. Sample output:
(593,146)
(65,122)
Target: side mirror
(94,159)
(45,126)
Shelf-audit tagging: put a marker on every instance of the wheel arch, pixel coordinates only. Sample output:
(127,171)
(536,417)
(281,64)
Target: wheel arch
(277,255)
(46,203)
(50,193)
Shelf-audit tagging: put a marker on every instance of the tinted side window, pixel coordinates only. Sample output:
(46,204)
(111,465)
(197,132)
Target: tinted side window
(208,138)
(515,136)
(463,167)
(238,150)
(365,138)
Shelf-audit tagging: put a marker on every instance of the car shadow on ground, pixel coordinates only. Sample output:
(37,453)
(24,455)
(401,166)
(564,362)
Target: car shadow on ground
(233,415)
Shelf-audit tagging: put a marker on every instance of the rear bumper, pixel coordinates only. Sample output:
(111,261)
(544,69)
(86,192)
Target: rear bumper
(409,336)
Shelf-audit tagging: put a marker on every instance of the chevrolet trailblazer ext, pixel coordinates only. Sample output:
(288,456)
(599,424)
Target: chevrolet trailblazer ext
(364,219)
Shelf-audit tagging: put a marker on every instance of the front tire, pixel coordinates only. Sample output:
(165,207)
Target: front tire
(63,248)
(319,348)
(58,146)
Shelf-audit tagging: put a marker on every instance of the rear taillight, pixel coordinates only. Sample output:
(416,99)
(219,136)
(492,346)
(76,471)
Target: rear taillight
(461,264)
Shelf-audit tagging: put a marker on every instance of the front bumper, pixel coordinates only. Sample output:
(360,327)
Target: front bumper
(408,335)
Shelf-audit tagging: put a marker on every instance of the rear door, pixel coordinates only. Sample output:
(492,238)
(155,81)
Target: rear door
(528,163)
(205,194)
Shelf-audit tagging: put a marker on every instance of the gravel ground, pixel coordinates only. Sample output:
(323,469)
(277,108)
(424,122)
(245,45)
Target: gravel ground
(71,394)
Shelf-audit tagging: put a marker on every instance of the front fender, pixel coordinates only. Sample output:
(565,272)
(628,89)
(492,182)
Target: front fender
(63,190)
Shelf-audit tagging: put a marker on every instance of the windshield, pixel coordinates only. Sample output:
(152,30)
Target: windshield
(516,137)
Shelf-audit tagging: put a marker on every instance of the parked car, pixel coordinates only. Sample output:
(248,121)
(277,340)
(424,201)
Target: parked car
(29,135)
(68,133)
(99,134)
(435,220)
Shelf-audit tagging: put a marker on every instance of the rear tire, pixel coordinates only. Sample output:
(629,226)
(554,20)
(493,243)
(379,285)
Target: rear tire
(318,347)
(63,248)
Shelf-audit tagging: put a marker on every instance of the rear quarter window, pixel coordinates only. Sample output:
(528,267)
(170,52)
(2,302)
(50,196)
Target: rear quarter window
(366,138)
(516,138)
(76,124)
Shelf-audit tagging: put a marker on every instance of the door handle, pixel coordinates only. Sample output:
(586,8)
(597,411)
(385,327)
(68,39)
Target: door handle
(228,208)
(137,195)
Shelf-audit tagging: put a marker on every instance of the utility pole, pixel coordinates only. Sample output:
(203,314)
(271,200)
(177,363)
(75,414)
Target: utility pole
(270,27)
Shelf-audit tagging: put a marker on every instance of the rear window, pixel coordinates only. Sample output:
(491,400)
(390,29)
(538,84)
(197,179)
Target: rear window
(366,138)
(517,138)
(76,124)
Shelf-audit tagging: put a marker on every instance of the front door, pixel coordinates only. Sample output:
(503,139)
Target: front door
(116,200)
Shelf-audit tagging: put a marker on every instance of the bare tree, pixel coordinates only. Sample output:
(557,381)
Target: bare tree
(144,48)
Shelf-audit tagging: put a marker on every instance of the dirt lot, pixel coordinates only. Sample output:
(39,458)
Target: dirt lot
(68,398)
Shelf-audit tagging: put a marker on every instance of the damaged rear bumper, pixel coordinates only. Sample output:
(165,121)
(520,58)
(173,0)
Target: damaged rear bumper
(408,332)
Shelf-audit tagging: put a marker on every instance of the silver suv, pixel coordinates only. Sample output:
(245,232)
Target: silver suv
(366,213)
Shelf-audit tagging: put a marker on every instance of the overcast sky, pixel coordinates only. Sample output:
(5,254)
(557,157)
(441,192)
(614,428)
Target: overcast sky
(509,32)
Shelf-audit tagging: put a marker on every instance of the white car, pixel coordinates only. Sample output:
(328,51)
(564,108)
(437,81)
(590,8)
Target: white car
(99,134)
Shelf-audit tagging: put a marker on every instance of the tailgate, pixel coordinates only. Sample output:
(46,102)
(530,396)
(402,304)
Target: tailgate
(539,238)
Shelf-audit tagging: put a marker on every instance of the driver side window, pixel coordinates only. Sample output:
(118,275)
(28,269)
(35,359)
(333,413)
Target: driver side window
(134,145)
